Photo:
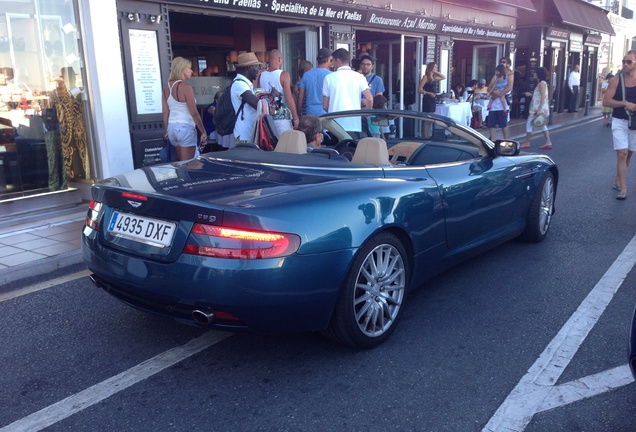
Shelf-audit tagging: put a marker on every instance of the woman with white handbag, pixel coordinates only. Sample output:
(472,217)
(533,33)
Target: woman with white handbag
(539,110)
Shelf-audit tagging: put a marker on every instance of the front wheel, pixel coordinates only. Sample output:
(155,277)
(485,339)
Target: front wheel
(540,211)
(372,294)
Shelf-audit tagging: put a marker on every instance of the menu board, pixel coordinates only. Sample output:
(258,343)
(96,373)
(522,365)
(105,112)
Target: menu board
(144,52)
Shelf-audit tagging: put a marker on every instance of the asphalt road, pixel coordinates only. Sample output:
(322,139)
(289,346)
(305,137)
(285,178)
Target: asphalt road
(525,337)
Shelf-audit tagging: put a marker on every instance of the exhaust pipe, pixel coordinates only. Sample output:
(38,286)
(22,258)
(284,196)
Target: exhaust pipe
(203,317)
(97,281)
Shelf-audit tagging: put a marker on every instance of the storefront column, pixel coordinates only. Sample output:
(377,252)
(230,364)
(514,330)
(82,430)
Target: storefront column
(106,86)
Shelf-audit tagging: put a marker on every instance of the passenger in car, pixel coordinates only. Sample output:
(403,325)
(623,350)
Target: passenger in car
(310,126)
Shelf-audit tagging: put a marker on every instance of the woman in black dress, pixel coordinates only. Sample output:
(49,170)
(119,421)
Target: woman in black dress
(428,88)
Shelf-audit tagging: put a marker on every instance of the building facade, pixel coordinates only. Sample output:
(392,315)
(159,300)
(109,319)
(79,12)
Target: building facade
(105,62)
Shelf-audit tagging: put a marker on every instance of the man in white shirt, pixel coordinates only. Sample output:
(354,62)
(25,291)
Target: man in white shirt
(242,92)
(574,81)
(342,91)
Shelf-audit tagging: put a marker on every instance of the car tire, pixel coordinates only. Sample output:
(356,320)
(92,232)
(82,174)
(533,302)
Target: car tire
(372,294)
(540,211)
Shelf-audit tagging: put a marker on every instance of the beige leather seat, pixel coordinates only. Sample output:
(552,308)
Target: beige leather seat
(371,151)
(292,141)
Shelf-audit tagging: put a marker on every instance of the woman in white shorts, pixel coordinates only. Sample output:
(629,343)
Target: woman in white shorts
(621,96)
(180,114)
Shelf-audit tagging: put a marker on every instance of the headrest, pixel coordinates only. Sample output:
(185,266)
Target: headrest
(292,141)
(371,151)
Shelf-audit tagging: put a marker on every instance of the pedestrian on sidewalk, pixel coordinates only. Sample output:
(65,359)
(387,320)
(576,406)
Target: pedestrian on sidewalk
(342,90)
(179,110)
(497,112)
(276,78)
(574,81)
(539,105)
(428,88)
(310,86)
(621,96)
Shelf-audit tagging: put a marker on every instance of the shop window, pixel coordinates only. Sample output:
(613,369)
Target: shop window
(42,100)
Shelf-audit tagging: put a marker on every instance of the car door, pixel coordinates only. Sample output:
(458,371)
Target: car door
(479,197)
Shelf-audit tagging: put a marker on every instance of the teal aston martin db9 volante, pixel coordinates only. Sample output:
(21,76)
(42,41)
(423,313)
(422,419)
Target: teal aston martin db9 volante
(328,240)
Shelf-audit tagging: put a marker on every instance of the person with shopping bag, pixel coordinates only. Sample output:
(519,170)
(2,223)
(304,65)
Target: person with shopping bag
(539,110)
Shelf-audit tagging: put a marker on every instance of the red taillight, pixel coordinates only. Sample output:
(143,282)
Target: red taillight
(134,196)
(94,207)
(220,242)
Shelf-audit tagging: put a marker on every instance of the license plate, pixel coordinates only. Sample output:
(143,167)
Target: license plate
(142,229)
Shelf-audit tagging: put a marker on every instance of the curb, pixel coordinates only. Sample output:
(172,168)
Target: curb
(593,115)
(41,267)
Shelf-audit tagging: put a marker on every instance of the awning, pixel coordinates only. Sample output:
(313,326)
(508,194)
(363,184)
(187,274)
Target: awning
(519,4)
(582,14)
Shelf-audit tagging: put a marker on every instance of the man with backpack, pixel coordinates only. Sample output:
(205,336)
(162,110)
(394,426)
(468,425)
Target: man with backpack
(239,117)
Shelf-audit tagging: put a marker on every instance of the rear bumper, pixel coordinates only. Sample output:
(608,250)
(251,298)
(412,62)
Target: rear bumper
(296,293)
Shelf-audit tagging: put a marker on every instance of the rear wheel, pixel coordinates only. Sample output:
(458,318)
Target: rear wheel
(540,211)
(372,294)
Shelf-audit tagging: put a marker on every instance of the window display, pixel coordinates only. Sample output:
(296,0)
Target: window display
(42,98)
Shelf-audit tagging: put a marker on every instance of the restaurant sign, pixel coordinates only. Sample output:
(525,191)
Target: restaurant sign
(593,39)
(556,34)
(357,16)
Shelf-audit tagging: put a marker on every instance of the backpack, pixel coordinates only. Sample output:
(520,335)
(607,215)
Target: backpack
(224,116)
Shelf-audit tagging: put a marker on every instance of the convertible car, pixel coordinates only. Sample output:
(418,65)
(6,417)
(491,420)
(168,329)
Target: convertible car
(329,240)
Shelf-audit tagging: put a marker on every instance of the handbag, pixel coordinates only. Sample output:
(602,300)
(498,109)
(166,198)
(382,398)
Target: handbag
(168,153)
(631,120)
(265,130)
(264,139)
(631,116)
(539,121)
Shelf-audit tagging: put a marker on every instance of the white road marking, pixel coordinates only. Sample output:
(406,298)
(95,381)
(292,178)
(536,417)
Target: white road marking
(587,387)
(42,285)
(533,393)
(97,393)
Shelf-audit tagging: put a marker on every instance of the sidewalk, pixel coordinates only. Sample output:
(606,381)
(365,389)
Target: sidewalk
(517,127)
(40,244)
(43,243)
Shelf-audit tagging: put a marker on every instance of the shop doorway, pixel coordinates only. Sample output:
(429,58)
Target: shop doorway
(589,77)
(554,62)
(485,60)
(297,44)
(399,62)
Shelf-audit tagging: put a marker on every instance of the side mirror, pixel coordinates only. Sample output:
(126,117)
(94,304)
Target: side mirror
(507,147)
